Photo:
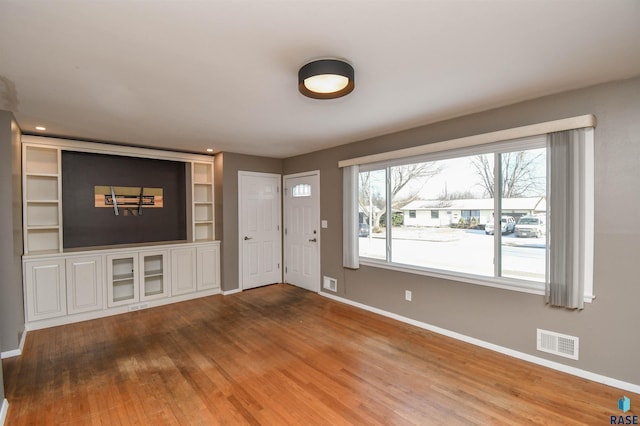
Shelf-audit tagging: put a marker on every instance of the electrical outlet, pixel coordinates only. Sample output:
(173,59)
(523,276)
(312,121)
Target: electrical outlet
(407,295)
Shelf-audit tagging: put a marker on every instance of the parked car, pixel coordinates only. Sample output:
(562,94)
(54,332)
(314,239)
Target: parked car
(364,230)
(531,226)
(507,225)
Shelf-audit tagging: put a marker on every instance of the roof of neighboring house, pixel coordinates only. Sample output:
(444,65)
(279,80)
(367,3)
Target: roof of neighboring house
(524,203)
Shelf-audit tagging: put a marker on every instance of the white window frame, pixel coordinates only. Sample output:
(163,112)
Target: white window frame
(526,143)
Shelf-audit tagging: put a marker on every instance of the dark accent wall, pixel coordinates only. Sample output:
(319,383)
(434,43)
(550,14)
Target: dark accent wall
(608,341)
(11,298)
(227,223)
(86,225)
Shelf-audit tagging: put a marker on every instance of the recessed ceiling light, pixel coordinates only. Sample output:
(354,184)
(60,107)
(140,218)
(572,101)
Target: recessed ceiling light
(40,128)
(209,149)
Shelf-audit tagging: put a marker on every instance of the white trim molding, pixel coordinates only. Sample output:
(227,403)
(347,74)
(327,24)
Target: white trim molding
(16,352)
(578,122)
(599,378)
(229,292)
(3,411)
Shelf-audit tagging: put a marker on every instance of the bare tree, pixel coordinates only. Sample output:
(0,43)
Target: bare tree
(406,183)
(519,173)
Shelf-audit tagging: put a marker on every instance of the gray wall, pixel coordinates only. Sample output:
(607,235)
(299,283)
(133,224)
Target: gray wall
(227,217)
(609,343)
(11,304)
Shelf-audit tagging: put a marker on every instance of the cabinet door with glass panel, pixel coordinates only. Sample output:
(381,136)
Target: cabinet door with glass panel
(122,279)
(153,274)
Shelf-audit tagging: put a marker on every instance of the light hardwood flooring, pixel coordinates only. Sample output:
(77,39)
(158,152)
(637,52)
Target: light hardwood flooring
(280,355)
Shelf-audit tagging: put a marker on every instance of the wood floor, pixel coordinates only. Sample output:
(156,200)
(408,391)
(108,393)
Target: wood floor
(279,355)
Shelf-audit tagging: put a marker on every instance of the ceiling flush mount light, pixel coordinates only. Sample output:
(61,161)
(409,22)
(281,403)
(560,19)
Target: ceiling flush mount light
(326,79)
(41,128)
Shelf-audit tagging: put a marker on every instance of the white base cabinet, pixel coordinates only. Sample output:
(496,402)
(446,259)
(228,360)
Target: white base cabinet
(208,267)
(45,289)
(85,288)
(183,270)
(71,287)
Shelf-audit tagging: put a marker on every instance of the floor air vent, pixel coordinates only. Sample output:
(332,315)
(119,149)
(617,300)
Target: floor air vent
(558,344)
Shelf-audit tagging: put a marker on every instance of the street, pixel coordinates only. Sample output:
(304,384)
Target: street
(460,250)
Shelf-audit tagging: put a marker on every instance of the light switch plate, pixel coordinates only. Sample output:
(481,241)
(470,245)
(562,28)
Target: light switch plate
(324,224)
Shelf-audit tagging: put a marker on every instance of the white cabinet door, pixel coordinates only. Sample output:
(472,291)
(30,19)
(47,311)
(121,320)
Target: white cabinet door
(208,272)
(85,288)
(154,274)
(122,279)
(45,288)
(183,271)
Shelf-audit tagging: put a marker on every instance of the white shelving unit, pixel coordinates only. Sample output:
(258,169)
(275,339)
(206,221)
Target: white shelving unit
(63,286)
(203,224)
(41,197)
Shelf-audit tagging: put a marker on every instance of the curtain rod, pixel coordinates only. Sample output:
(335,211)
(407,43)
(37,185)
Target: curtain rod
(571,123)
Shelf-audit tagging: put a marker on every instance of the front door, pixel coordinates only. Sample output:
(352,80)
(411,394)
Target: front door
(302,231)
(259,229)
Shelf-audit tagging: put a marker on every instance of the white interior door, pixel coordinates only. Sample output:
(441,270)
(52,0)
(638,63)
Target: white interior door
(259,218)
(302,230)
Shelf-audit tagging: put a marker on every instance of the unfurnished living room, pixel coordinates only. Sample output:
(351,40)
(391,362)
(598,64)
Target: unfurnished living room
(319,212)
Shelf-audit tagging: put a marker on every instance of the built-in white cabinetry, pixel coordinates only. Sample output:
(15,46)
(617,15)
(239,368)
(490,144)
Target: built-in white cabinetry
(42,210)
(45,289)
(85,288)
(208,267)
(69,287)
(202,209)
(65,285)
(183,270)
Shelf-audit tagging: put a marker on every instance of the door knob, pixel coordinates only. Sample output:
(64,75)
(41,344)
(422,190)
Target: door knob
(247,238)
(313,240)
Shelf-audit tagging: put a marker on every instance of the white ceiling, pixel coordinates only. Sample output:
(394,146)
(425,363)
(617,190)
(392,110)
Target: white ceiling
(191,75)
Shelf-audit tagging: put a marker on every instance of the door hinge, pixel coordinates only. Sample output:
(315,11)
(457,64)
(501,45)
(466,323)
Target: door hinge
(278,266)
(277,189)
(285,231)
(286,270)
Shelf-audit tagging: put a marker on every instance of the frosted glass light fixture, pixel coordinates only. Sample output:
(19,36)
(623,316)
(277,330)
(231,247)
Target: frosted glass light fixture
(326,79)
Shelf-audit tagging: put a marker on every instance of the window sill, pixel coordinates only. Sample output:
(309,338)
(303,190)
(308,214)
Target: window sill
(522,286)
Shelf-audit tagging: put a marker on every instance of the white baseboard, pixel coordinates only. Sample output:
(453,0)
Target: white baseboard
(3,411)
(15,352)
(228,292)
(631,387)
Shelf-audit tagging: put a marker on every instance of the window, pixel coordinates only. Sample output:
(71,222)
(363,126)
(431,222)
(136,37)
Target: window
(481,191)
(301,190)
(484,188)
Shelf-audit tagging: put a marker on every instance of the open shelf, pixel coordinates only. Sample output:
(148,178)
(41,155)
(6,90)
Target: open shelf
(41,200)
(41,161)
(202,173)
(41,214)
(41,187)
(203,231)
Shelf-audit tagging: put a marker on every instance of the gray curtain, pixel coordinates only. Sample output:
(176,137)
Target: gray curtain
(565,286)
(350,216)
